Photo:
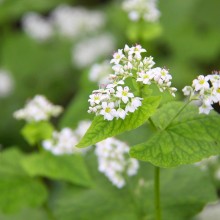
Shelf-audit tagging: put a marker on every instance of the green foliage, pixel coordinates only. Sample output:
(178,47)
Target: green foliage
(33,214)
(37,131)
(101,129)
(135,200)
(69,168)
(18,190)
(184,139)
(143,30)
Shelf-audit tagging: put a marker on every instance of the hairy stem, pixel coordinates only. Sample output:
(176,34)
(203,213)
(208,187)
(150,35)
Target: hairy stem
(157,193)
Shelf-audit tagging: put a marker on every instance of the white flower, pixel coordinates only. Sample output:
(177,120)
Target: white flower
(37,27)
(201,83)
(145,77)
(133,166)
(172,91)
(73,22)
(187,90)
(205,89)
(133,105)
(82,128)
(148,61)
(119,69)
(113,161)
(64,142)
(108,111)
(136,102)
(121,113)
(95,98)
(124,93)
(205,109)
(90,50)
(6,83)
(100,73)
(205,163)
(117,56)
(138,9)
(38,109)
(137,50)
(128,63)
(61,143)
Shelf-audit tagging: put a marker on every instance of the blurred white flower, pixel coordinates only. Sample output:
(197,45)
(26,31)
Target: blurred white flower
(82,128)
(100,73)
(38,109)
(37,27)
(205,163)
(73,21)
(6,83)
(90,50)
(142,9)
(114,162)
(64,142)
(210,212)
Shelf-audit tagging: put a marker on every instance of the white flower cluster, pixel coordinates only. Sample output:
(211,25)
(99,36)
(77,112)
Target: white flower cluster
(66,21)
(38,109)
(205,89)
(90,50)
(6,83)
(64,142)
(114,162)
(116,100)
(37,27)
(142,9)
(100,72)
(73,21)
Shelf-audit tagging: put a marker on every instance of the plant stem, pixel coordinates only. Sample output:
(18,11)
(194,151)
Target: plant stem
(157,193)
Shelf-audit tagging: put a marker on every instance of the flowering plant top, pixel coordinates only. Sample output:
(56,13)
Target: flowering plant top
(118,99)
(206,89)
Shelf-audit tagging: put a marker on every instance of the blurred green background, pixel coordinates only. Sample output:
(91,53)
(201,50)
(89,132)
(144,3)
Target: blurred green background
(186,40)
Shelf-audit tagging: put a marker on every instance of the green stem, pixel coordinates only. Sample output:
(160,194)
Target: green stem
(178,113)
(157,193)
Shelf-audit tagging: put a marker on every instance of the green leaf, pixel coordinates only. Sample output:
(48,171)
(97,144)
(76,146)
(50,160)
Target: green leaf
(103,201)
(188,138)
(36,132)
(17,189)
(33,214)
(191,190)
(135,201)
(63,167)
(101,129)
